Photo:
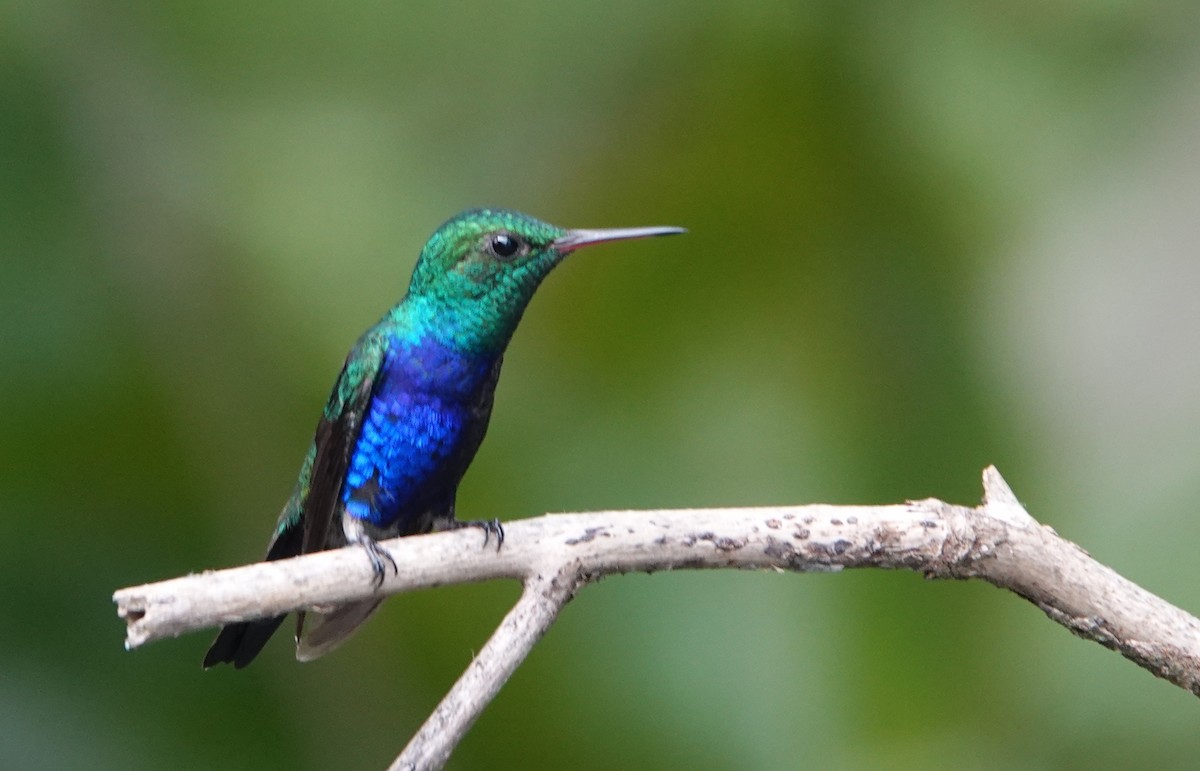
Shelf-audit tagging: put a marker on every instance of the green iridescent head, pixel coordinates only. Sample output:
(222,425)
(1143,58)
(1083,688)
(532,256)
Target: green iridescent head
(481,267)
(485,254)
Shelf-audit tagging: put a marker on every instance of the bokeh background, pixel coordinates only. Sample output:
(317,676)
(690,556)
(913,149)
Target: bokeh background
(925,237)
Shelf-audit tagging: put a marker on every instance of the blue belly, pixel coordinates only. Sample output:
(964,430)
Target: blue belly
(418,435)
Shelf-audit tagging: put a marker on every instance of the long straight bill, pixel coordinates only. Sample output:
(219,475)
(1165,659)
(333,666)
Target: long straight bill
(576,239)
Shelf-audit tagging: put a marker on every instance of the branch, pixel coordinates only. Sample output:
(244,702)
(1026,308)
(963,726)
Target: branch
(556,555)
(543,597)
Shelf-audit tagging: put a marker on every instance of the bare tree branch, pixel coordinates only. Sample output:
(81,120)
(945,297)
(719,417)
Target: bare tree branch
(542,599)
(556,555)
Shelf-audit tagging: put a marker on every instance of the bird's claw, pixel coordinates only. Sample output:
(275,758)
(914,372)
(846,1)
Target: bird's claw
(380,559)
(488,526)
(493,526)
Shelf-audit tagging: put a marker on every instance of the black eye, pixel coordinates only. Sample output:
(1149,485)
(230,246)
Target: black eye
(504,245)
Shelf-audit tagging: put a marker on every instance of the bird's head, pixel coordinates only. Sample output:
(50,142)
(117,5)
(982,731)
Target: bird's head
(479,270)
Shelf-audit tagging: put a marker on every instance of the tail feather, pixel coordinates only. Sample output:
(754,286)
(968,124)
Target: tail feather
(239,643)
(333,628)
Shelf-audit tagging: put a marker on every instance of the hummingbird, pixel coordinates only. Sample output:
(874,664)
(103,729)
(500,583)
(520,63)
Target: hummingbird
(410,409)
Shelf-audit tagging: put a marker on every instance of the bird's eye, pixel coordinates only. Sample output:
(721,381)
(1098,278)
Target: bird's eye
(504,245)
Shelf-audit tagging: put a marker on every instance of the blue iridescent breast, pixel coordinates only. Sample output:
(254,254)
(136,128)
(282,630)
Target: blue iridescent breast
(419,433)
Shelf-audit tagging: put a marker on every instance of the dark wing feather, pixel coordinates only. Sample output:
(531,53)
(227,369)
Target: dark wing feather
(307,523)
(337,433)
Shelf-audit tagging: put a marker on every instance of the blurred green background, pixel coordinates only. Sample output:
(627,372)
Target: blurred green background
(925,237)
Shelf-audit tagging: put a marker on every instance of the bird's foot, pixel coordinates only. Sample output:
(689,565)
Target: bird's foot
(380,559)
(489,527)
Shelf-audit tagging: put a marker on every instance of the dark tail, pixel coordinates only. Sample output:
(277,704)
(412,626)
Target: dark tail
(239,643)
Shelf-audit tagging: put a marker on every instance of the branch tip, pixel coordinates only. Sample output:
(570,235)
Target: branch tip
(1001,502)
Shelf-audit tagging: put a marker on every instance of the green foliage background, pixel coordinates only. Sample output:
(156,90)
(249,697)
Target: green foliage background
(924,237)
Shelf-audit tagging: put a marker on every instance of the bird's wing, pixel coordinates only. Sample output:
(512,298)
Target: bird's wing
(337,433)
(307,522)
